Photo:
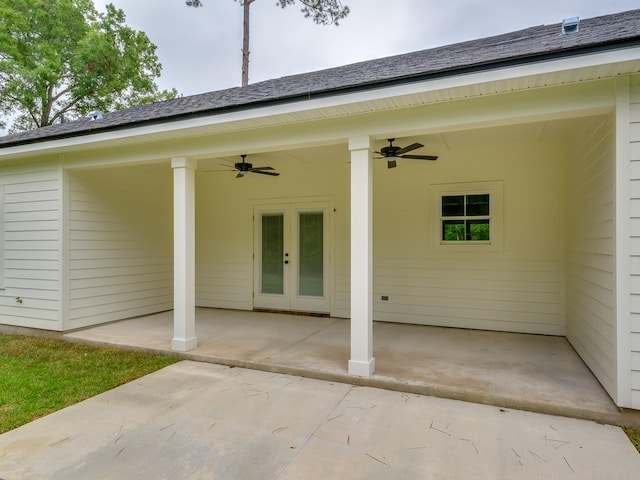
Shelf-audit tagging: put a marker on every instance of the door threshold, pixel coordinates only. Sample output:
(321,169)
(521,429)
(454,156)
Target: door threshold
(292,312)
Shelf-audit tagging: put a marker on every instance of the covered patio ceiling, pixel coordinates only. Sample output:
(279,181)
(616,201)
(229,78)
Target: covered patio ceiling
(435,143)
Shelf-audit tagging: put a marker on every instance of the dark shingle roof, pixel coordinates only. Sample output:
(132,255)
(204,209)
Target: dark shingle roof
(528,45)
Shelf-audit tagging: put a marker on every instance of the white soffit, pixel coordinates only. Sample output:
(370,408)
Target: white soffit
(534,75)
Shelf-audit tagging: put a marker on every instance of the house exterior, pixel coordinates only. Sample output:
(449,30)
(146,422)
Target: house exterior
(528,221)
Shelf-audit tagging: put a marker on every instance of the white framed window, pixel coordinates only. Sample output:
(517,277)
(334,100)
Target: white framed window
(468,215)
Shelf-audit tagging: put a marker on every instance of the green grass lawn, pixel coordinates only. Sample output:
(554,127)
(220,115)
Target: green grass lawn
(634,436)
(39,376)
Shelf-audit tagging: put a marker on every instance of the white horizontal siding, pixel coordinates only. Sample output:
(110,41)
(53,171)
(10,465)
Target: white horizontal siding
(224,226)
(31,261)
(224,285)
(591,282)
(498,295)
(342,299)
(120,237)
(634,149)
(224,239)
(518,286)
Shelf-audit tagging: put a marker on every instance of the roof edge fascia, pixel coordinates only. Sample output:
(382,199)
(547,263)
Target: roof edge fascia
(363,93)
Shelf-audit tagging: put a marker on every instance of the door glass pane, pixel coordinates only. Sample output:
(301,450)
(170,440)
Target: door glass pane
(311,251)
(272,280)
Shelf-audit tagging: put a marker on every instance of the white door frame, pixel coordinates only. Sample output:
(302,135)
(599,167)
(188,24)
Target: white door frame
(290,301)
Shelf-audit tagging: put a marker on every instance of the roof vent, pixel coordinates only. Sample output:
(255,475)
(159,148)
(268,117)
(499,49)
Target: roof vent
(97,115)
(570,25)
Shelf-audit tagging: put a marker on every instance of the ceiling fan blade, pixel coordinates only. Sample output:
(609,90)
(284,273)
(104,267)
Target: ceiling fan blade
(262,168)
(408,148)
(421,157)
(262,172)
(391,164)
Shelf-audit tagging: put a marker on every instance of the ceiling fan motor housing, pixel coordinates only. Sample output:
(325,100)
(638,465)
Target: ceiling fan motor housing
(390,151)
(243,166)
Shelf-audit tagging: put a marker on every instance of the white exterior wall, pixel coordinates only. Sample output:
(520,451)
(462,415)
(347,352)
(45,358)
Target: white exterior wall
(31,204)
(634,192)
(120,243)
(518,287)
(591,298)
(224,243)
(224,225)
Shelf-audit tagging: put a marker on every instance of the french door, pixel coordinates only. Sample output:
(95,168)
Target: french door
(291,256)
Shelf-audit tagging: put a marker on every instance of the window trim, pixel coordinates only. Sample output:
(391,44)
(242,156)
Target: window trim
(494,190)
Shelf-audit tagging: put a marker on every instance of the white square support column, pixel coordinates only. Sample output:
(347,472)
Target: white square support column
(362,362)
(184,278)
(623,396)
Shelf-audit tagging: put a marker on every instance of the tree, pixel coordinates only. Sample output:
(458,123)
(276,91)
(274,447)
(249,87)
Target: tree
(61,59)
(322,12)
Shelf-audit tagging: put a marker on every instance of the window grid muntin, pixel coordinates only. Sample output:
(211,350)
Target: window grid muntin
(459,209)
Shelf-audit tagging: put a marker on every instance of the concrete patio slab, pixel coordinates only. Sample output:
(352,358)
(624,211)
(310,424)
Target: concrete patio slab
(196,420)
(529,372)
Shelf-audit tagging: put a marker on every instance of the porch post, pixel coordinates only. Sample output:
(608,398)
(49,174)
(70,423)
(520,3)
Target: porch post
(362,362)
(184,282)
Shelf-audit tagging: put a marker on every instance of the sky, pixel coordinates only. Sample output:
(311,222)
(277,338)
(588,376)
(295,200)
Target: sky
(200,48)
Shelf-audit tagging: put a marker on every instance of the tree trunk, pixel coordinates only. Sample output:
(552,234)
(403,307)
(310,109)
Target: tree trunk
(245,43)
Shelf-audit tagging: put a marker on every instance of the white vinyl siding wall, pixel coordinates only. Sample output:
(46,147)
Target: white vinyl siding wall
(120,237)
(591,295)
(224,242)
(31,230)
(634,148)
(518,287)
(224,225)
